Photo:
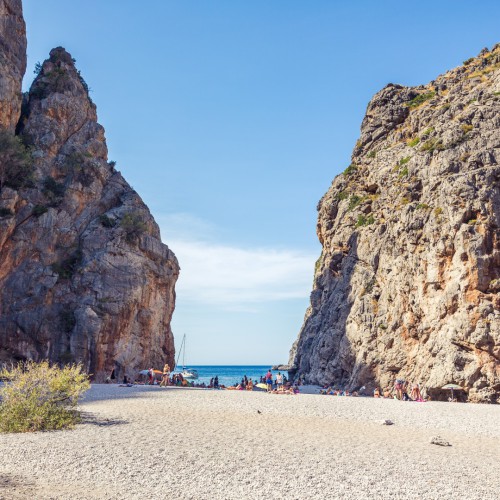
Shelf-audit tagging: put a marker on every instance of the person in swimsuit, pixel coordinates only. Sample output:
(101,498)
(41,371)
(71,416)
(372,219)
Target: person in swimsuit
(166,375)
(269,381)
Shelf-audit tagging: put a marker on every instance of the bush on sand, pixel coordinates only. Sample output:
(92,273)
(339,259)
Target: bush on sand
(41,397)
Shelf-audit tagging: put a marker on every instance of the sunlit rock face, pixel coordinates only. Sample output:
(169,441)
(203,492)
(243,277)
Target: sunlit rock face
(84,276)
(408,282)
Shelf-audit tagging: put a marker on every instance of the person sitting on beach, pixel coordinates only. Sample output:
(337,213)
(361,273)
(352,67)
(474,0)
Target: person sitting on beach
(415,394)
(398,389)
(216,382)
(250,385)
(376,393)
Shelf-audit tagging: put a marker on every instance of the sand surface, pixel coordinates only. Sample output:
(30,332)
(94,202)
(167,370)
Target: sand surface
(148,442)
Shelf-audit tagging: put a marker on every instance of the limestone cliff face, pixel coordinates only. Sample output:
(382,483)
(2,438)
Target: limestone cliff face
(408,282)
(12,61)
(83,273)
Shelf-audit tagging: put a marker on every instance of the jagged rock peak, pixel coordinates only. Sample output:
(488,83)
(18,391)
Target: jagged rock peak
(84,276)
(12,61)
(408,282)
(58,74)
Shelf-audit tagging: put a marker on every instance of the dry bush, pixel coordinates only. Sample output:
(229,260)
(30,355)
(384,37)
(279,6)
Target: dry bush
(41,397)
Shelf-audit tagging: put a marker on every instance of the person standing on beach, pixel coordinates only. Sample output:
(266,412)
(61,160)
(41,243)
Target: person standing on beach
(279,381)
(269,380)
(166,375)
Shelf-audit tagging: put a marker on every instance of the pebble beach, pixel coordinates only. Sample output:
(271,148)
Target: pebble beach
(196,444)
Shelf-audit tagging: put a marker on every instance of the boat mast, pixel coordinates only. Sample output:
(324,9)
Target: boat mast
(184,355)
(180,350)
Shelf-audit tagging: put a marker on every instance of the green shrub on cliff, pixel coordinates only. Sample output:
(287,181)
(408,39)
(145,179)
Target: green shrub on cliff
(41,397)
(420,99)
(16,163)
(351,169)
(67,267)
(354,201)
(363,220)
(133,225)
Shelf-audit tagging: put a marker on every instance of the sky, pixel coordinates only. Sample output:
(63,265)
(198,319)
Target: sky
(231,118)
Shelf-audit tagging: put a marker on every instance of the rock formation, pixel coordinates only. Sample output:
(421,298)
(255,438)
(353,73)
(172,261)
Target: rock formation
(408,282)
(12,61)
(83,273)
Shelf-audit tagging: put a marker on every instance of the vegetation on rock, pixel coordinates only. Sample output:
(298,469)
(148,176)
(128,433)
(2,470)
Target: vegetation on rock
(16,163)
(134,226)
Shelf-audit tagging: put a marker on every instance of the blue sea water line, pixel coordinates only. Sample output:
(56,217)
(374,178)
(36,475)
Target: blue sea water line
(231,374)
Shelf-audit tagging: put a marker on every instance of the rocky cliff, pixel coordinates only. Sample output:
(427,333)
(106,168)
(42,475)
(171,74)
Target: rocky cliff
(408,282)
(83,273)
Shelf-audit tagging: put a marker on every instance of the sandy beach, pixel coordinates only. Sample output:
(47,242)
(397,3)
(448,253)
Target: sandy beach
(201,444)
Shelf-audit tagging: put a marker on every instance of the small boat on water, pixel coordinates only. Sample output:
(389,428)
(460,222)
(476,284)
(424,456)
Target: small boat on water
(187,373)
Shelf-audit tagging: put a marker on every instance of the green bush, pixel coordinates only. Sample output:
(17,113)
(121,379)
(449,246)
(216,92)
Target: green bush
(341,195)
(466,128)
(107,221)
(351,169)
(372,154)
(403,172)
(74,162)
(413,142)
(420,99)
(67,267)
(354,201)
(40,397)
(433,145)
(404,160)
(53,190)
(16,162)
(363,220)
(133,225)
(468,61)
(428,131)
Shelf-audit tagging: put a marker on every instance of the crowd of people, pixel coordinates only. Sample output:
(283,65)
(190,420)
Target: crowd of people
(401,390)
(278,384)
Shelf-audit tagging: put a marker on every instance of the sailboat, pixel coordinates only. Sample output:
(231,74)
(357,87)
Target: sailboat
(187,373)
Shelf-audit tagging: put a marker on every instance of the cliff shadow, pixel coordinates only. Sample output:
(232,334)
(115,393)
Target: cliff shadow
(326,354)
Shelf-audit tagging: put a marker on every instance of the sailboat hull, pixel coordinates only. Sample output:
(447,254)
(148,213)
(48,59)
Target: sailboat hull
(189,374)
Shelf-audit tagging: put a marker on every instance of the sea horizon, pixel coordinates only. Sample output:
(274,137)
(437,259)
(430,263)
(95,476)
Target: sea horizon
(230,374)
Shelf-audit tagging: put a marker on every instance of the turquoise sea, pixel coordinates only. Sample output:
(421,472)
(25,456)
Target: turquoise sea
(231,374)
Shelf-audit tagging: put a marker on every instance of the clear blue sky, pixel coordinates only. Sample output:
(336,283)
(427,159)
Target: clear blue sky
(231,118)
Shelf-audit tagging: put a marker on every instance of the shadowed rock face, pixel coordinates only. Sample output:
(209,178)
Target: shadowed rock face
(83,273)
(408,282)
(12,61)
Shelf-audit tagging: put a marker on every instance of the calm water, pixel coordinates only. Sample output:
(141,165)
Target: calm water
(230,375)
